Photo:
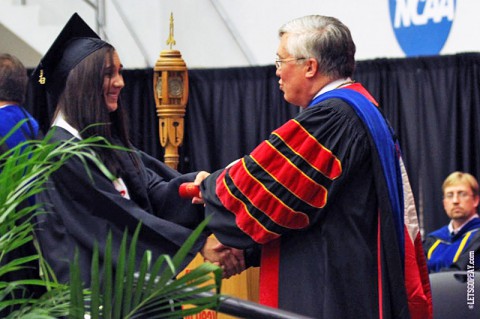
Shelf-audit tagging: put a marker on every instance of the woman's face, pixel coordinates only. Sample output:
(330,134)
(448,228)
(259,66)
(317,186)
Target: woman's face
(112,82)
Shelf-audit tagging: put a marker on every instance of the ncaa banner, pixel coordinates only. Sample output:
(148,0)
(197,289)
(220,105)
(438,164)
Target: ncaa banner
(422,26)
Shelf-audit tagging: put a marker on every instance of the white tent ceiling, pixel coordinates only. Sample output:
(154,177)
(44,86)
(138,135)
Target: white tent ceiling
(218,33)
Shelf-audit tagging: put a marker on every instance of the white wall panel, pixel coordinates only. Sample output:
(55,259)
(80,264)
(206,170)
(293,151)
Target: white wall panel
(230,33)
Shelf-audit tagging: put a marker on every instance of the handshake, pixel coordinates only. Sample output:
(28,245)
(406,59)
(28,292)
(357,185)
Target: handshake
(231,260)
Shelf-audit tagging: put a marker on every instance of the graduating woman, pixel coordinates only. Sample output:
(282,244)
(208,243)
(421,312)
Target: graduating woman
(81,76)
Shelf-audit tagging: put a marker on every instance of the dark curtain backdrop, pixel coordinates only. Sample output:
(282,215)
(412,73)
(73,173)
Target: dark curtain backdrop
(229,112)
(433,103)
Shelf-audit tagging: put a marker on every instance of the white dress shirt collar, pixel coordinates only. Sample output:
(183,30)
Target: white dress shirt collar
(455,231)
(333,85)
(61,122)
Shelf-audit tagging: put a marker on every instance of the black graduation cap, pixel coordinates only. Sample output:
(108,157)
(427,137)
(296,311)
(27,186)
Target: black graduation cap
(75,42)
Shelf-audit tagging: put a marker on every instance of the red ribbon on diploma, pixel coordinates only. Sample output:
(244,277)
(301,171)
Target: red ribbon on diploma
(188,190)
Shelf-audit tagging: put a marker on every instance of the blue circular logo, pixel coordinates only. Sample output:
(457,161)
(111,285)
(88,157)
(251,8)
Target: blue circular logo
(422,26)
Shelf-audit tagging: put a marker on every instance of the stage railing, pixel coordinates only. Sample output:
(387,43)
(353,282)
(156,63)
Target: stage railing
(248,309)
(251,310)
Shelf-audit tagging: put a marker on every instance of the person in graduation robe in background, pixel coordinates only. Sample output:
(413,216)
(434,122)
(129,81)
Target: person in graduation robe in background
(81,75)
(450,247)
(13,87)
(324,205)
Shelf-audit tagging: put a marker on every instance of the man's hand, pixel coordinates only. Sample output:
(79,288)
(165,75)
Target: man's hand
(230,259)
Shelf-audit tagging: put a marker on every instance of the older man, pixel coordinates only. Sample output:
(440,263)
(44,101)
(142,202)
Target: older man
(323,197)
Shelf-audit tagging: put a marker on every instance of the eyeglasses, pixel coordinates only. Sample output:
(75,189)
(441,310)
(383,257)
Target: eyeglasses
(278,62)
(460,195)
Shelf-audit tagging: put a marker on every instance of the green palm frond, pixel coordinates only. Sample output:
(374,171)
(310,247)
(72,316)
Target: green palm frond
(23,171)
(149,289)
(53,304)
(124,290)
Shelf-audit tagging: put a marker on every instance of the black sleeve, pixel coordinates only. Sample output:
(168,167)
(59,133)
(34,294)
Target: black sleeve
(83,206)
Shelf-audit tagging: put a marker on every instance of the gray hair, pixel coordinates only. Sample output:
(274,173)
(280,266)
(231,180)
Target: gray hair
(325,39)
(13,79)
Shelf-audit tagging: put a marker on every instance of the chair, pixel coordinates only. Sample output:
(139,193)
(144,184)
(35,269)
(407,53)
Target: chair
(455,294)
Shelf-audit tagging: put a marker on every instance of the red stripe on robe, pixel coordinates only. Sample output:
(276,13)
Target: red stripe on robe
(360,89)
(262,199)
(287,174)
(269,274)
(245,221)
(306,146)
(417,283)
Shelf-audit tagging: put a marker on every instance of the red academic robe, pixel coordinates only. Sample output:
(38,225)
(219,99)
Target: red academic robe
(314,198)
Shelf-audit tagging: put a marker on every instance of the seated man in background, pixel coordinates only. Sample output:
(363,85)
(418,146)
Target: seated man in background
(456,246)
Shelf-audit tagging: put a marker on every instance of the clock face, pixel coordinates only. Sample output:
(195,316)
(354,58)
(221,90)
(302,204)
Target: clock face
(175,87)
(159,87)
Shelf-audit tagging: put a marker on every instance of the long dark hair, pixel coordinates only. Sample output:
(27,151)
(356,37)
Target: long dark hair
(83,106)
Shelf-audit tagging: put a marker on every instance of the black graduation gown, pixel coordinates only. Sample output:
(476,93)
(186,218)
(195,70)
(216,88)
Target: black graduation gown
(81,210)
(316,209)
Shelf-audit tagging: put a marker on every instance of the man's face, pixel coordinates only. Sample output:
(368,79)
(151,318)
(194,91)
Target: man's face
(459,202)
(291,74)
